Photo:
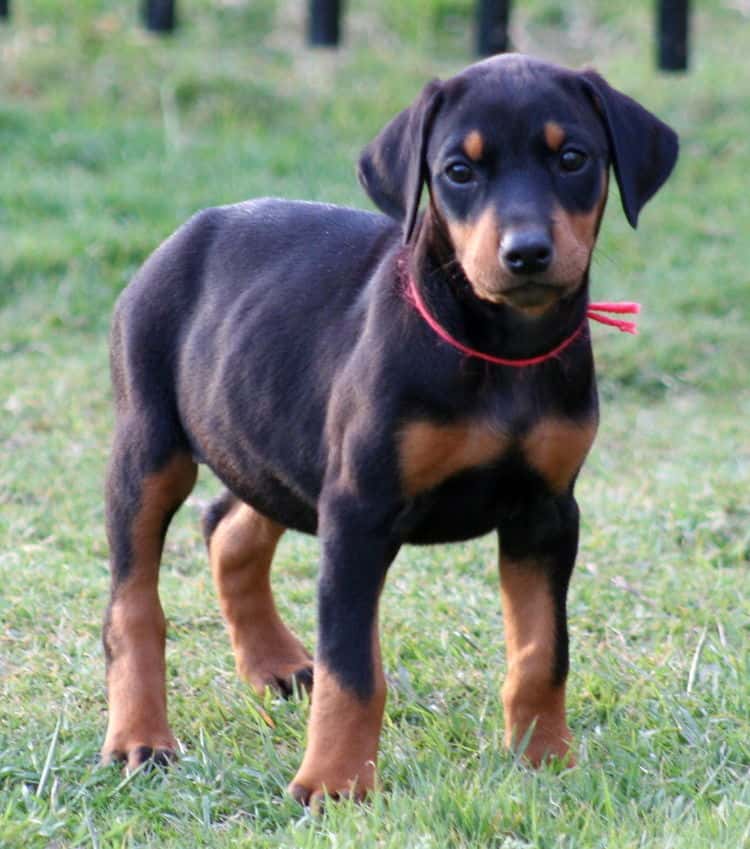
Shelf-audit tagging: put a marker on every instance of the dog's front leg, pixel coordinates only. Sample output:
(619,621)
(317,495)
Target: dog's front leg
(349,686)
(537,554)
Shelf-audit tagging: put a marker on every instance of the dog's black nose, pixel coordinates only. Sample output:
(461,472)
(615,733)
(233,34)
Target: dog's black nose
(526,251)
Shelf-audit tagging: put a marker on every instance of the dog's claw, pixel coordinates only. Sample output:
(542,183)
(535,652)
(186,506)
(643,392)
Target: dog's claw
(300,794)
(116,756)
(148,757)
(151,758)
(315,799)
(298,681)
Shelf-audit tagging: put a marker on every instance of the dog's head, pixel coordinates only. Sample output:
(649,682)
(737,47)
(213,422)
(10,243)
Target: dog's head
(515,153)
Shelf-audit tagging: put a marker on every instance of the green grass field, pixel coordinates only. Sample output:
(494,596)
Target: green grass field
(109,139)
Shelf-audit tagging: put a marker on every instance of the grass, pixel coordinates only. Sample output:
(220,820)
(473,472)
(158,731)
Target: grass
(110,139)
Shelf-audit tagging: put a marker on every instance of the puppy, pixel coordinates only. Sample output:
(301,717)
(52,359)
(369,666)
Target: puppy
(376,380)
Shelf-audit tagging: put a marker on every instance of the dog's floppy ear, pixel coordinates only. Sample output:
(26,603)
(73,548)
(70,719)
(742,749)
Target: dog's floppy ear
(643,148)
(392,167)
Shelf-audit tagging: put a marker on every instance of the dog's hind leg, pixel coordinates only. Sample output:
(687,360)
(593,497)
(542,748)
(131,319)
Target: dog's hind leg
(241,544)
(149,478)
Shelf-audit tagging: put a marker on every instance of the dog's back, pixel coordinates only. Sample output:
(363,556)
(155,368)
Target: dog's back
(221,332)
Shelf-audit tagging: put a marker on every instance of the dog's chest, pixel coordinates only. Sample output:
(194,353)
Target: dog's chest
(430,454)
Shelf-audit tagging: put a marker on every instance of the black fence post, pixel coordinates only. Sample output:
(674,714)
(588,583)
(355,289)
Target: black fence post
(673,27)
(492,26)
(323,29)
(159,15)
(4,8)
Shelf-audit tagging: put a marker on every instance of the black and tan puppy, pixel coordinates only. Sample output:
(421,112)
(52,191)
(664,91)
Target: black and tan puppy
(280,344)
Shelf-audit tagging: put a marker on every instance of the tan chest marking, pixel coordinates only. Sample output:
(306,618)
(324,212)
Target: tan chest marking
(556,448)
(430,453)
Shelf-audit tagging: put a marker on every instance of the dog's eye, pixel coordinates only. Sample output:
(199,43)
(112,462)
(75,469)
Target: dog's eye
(572,160)
(459,172)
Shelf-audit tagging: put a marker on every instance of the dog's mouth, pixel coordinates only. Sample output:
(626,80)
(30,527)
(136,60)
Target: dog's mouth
(533,296)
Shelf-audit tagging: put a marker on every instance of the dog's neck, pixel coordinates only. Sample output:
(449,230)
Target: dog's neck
(495,329)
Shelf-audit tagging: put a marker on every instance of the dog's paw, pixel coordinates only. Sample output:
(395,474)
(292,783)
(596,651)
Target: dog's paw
(546,747)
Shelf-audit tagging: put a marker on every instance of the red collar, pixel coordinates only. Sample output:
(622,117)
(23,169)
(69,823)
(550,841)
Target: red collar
(414,297)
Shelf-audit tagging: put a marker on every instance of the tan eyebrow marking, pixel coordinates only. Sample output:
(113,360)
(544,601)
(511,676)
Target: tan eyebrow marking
(474,145)
(554,135)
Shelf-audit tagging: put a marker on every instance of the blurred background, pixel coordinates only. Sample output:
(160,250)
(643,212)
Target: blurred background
(110,137)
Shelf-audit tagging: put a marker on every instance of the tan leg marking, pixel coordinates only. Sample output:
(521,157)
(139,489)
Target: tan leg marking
(529,695)
(430,453)
(474,145)
(343,736)
(554,135)
(556,448)
(241,549)
(136,633)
